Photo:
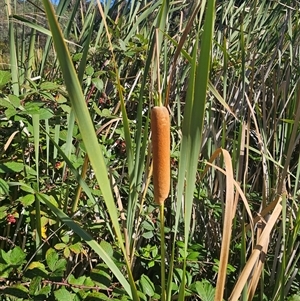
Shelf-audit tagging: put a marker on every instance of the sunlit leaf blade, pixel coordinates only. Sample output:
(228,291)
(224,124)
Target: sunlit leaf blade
(84,121)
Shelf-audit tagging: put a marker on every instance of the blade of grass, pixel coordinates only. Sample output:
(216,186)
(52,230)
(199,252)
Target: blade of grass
(87,130)
(13,52)
(193,128)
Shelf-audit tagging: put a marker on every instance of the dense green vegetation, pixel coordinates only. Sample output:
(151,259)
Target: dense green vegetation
(77,211)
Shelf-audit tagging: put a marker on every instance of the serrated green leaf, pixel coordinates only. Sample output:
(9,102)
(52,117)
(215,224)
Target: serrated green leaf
(76,281)
(17,256)
(88,282)
(147,286)
(63,294)
(204,289)
(3,211)
(51,259)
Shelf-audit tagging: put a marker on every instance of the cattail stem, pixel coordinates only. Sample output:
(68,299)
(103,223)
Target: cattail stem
(160,127)
(162,253)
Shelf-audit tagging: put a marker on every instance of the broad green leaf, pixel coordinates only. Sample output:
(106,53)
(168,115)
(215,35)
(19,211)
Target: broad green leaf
(5,77)
(44,292)
(27,200)
(60,246)
(67,252)
(98,83)
(10,112)
(17,256)
(61,264)
(5,256)
(193,256)
(11,167)
(63,294)
(76,281)
(147,286)
(5,270)
(107,248)
(148,234)
(4,187)
(78,248)
(36,268)
(204,289)
(51,259)
(100,274)
(147,225)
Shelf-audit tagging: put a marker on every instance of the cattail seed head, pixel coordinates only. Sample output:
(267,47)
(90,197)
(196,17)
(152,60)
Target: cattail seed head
(160,127)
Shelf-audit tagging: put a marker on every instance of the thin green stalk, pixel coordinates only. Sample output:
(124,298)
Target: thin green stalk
(283,261)
(37,219)
(13,52)
(163,252)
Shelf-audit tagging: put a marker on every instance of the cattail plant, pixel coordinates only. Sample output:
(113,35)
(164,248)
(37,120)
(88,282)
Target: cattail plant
(160,126)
